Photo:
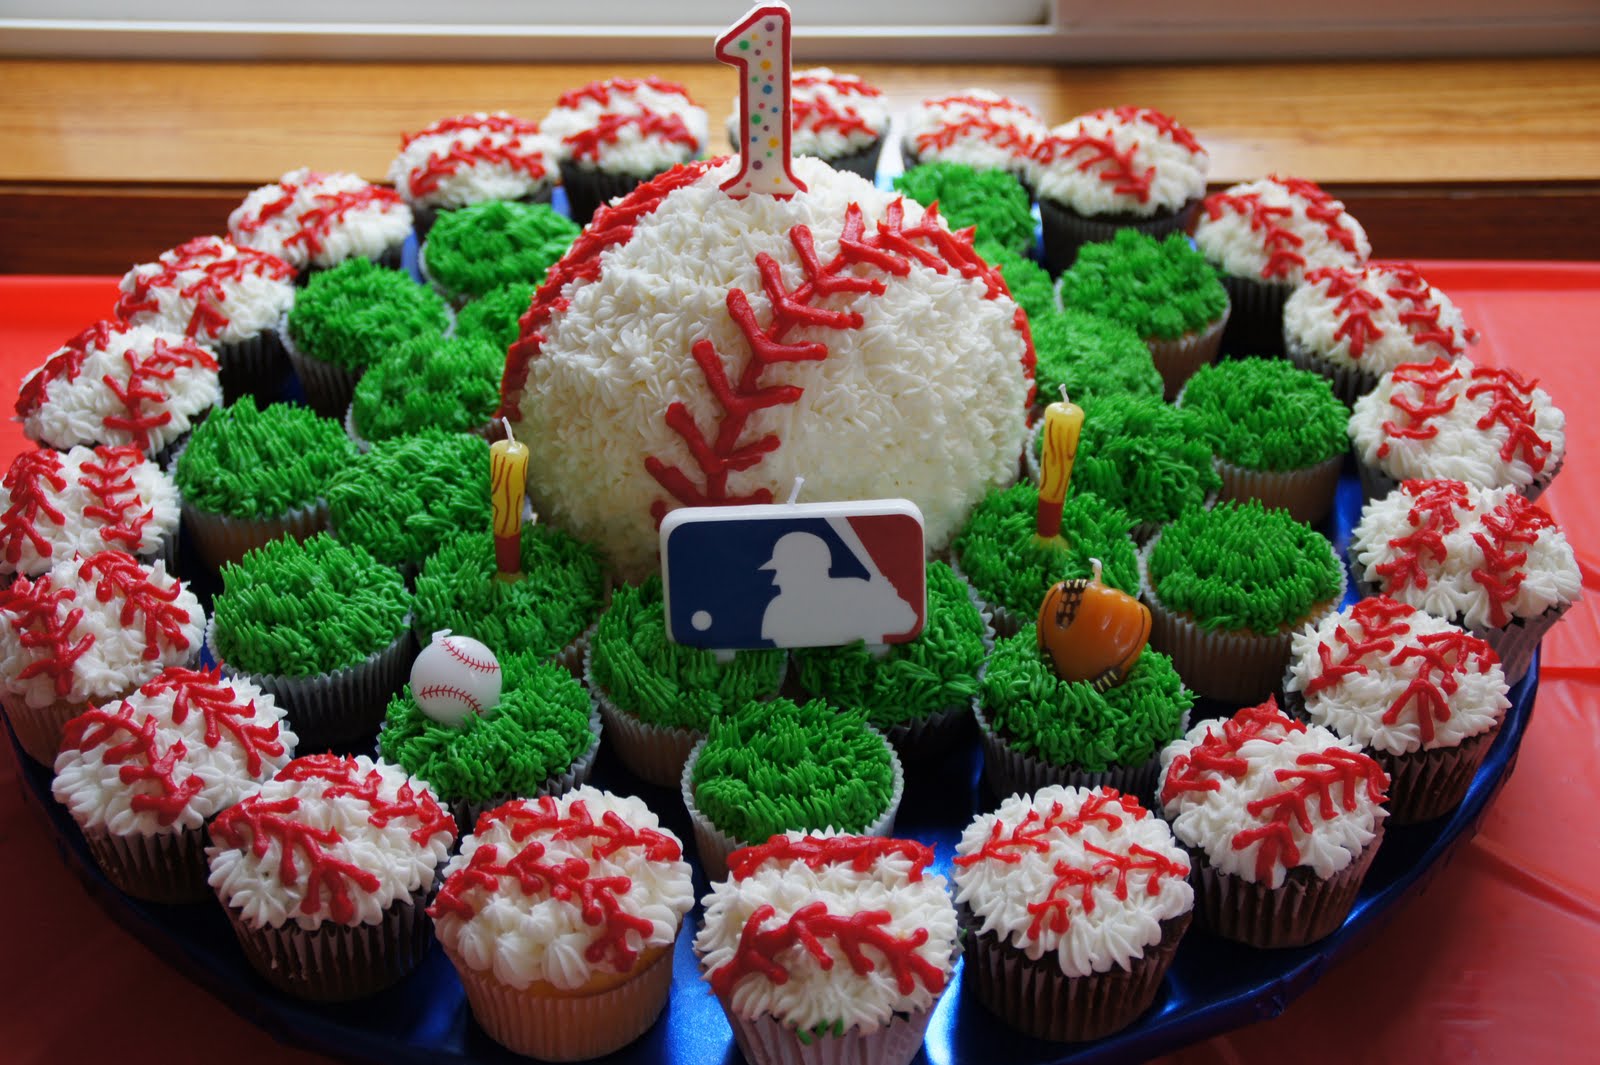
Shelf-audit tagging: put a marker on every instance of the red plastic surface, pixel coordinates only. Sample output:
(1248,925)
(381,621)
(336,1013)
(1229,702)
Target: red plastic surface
(1499,960)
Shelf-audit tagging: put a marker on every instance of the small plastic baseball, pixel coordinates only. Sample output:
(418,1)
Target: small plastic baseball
(455,677)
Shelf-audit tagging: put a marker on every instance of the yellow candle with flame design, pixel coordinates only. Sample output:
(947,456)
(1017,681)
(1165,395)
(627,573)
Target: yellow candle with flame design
(508,485)
(1063,422)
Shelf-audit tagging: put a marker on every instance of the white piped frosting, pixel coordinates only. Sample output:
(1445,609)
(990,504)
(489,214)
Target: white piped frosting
(473,159)
(1124,160)
(540,933)
(1395,679)
(1374,318)
(363,836)
(210,289)
(833,114)
(1085,876)
(627,126)
(1276,229)
(976,127)
(308,218)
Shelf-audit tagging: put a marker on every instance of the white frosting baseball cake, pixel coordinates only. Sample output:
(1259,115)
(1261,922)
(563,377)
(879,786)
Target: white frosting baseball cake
(1374,318)
(694,348)
(1122,161)
(208,288)
(313,219)
(627,125)
(975,127)
(1276,229)
(472,159)
(830,114)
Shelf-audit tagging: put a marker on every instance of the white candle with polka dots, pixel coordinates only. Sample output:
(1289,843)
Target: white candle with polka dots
(758,47)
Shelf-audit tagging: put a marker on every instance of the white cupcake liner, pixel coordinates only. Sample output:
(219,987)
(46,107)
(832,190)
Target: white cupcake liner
(328,387)
(164,867)
(714,845)
(1179,358)
(765,1040)
(1306,493)
(219,539)
(654,753)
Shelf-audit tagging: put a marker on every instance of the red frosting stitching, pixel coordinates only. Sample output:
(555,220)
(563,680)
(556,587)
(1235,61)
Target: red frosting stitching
(425,179)
(1514,521)
(209,291)
(1196,769)
(1432,515)
(489,123)
(1511,407)
(1003,134)
(600,91)
(1378,618)
(1445,656)
(607,129)
(1104,805)
(330,208)
(1279,242)
(122,577)
(110,481)
(860,852)
(1321,773)
(97,726)
(1053,913)
(31,485)
(1432,379)
(33,609)
(218,703)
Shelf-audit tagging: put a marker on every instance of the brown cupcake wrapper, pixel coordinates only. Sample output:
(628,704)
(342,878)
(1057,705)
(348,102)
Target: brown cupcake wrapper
(654,753)
(765,1040)
(255,366)
(1065,231)
(862,161)
(1429,783)
(165,867)
(328,388)
(1178,359)
(39,728)
(1256,325)
(1349,383)
(588,187)
(1307,493)
(1516,642)
(925,738)
(219,539)
(1009,771)
(1376,482)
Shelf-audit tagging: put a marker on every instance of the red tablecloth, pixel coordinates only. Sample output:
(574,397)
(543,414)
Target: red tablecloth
(1499,960)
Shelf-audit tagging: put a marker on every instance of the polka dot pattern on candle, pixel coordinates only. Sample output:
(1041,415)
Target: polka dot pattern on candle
(758,45)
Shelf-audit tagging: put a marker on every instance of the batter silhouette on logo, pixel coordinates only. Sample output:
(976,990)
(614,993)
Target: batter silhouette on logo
(813,607)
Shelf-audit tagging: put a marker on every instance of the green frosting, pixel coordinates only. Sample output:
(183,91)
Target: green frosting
(666,683)
(771,767)
(1009,568)
(556,598)
(242,462)
(1092,356)
(537,731)
(352,314)
(1267,414)
(936,671)
(1242,566)
(407,496)
(451,384)
(496,315)
(1162,289)
(992,200)
(1071,724)
(298,609)
(1030,284)
(478,248)
(1144,456)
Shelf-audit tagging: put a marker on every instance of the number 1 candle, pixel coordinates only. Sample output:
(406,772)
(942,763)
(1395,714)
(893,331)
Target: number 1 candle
(508,485)
(1063,422)
(758,47)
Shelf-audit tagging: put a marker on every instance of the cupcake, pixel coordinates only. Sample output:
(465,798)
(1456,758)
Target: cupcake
(838,118)
(346,319)
(1163,290)
(495,316)
(1091,357)
(992,201)
(918,694)
(829,948)
(1039,729)
(774,767)
(57,503)
(476,249)
(1457,421)
(1353,325)
(1486,559)
(975,127)
(1280,819)
(613,135)
(1278,433)
(1264,237)
(1226,589)
(226,297)
(249,476)
(468,159)
(142,777)
(316,221)
(559,915)
(324,872)
(658,697)
(1112,169)
(88,633)
(450,384)
(1074,902)
(119,384)
(1423,697)
(1026,281)
(323,627)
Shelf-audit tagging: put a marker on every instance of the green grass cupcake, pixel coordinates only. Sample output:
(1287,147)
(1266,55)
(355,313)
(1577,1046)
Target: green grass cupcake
(346,318)
(1163,290)
(992,200)
(1278,432)
(323,627)
(496,316)
(1091,356)
(774,767)
(658,698)
(1227,588)
(248,476)
(449,383)
(1028,282)
(472,251)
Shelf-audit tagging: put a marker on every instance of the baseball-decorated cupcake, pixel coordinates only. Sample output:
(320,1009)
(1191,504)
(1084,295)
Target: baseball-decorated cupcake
(324,872)
(1112,169)
(1090,357)
(993,201)
(1353,325)
(838,118)
(974,127)
(1453,420)
(119,384)
(451,384)
(1075,901)
(1277,431)
(314,221)
(346,319)
(774,767)
(143,776)
(472,158)
(559,915)
(1163,290)
(1281,820)
(1026,281)
(1423,697)
(1264,237)
(1227,588)
(658,697)
(612,135)
(478,248)
(229,298)
(88,633)
(320,624)
(829,948)
(249,476)
(1486,559)
(495,315)
(54,503)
